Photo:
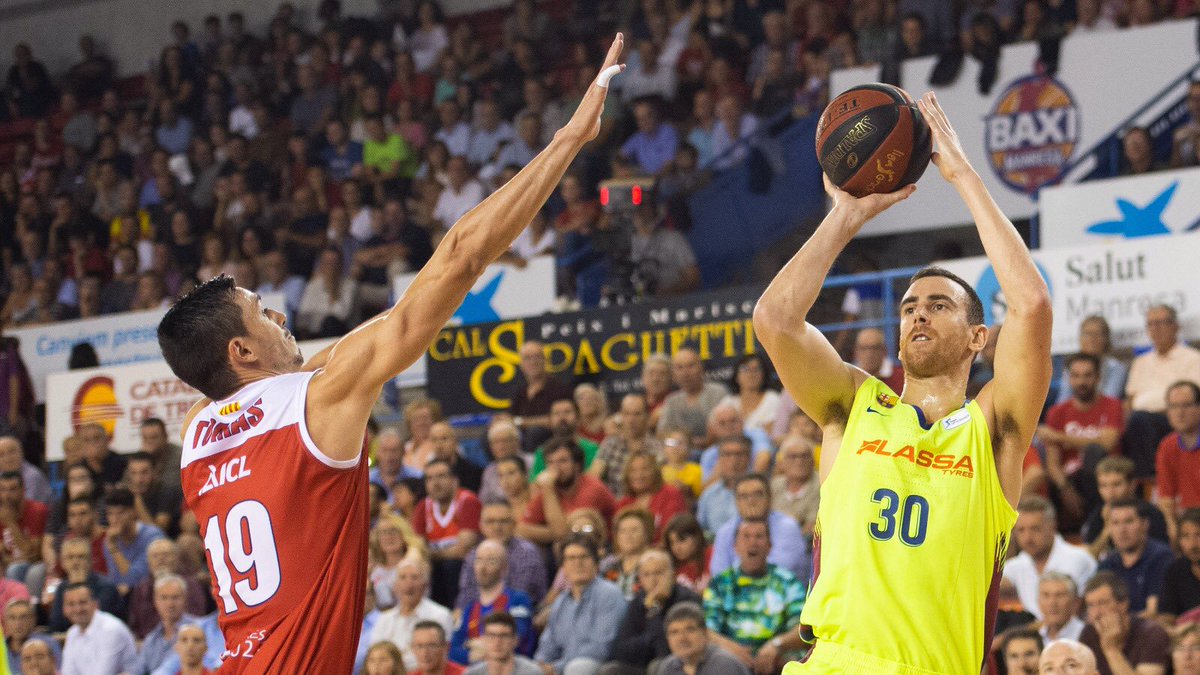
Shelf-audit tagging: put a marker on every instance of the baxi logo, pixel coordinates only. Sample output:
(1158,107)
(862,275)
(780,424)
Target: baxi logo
(1032,132)
(96,403)
(988,288)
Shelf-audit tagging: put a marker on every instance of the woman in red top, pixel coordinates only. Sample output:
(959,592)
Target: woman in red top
(684,539)
(644,487)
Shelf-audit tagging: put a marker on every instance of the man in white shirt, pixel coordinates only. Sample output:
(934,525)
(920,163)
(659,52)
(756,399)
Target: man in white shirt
(454,132)
(1043,550)
(1058,602)
(1146,387)
(489,133)
(461,195)
(97,642)
(396,624)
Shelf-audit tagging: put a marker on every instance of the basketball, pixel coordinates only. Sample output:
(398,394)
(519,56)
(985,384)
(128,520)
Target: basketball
(872,139)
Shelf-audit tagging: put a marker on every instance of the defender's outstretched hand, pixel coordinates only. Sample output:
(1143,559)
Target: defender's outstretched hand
(948,156)
(585,123)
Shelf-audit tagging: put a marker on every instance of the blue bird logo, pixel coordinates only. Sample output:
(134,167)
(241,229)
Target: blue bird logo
(1138,221)
(477,306)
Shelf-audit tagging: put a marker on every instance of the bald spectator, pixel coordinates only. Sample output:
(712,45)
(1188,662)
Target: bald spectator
(412,607)
(504,440)
(12,459)
(1124,644)
(491,567)
(654,143)
(1150,375)
(190,646)
(36,658)
(1058,602)
(641,642)
(634,436)
(725,421)
(1020,649)
(444,440)
(1177,460)
(169,598)
(796,485)
(536,390)
(1068,657)
(76,559)
(162,557)
(689,407)
(871,354)
(1043,549)
(525,565)
(97,642)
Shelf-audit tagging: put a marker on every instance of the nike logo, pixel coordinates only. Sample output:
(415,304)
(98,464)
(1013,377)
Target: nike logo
(872,410)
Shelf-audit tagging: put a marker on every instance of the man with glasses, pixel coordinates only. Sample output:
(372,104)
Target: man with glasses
(1146,388)
(641,643)
(494,596)
(429,646)
(692,652)
(1123,644)
(789,547)
(526,567)
(717,504)
(796,487)
(499,645)
(1177,461)
(584,620)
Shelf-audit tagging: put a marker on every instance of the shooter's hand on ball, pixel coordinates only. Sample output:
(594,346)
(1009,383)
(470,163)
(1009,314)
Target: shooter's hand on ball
(948,154)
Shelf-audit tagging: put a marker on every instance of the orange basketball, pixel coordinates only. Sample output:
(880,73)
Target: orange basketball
(873,139)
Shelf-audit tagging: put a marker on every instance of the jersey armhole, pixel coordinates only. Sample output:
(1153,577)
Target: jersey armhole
(309,444)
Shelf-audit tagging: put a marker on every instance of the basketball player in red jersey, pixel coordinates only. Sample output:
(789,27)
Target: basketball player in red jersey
(274,461)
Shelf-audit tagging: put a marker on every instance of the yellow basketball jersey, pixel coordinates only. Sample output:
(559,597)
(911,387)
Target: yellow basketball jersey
(911,535)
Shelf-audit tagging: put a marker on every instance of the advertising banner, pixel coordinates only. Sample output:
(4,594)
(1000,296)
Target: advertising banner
(1118,281)
(1023,133)
(474,369)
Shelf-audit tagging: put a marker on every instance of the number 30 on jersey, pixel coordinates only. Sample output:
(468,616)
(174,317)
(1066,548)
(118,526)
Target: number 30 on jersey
(908,518)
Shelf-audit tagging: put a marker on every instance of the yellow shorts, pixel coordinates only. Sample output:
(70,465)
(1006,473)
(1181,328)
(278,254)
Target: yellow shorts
(828,658)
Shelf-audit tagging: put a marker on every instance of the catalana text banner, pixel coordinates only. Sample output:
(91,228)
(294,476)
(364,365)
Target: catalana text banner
(474,369)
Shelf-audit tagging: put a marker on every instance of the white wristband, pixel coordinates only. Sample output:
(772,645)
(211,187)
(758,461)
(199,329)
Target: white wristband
(606,75)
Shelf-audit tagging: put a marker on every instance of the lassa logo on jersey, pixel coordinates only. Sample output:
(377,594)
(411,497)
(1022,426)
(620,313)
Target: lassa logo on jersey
(952,465)
(208,431)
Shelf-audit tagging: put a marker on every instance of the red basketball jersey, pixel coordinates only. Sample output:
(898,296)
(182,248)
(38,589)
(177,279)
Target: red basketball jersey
(285,531)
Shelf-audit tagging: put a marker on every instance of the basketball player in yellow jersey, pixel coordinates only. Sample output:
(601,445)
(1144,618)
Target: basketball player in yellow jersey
(918,487)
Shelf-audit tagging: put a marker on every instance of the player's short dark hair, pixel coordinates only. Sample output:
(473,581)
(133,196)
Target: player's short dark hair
(1189,385)
(13,475)
(685,611)
(1190,516)
(431,625)
(565,443)
(140,456)
(154,422)
(1087,358)
(584,540)
(119,496)
(1128,503)
(194,336)
(974,304)
(1109,580)
(1024,633)
(501,619)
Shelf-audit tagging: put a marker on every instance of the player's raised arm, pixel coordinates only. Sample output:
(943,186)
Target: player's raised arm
(378,350)
(817,378)
(1018,390)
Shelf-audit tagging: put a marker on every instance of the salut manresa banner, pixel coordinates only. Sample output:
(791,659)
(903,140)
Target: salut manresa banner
(474,369)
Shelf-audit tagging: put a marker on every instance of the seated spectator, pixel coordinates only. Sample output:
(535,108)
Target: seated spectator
(76,558)
(488,133)
(20,629)
(499,655)
(12,459)
(635,436)
(752,494)
(174,131)
(753,609)
(536,392)
(389,468)
(107,467)
(1058,602)
(654,143)
(752,392)
(1185,650)
(1042,550)
(1114,481)
(276,279)
(503,441)
(1137,153)
(717,504)
(1177,461)
(592,404)
(341,157)
(525,566)
(396,625)
(162,557)
(644,488)
(491,568)
(382,658)
(726,422)
(1184,142)
(641,642)
(796,485)
(733,125)
(448,520)
(127,542)
(82,522)
(386,156)
(22,526)
(1150,375)
(513,475)
(562,488)
(314,104)
(1068,656)
(1020,649)
(662,256)
(692,651)
(1181,586)
(648,74)
(1077,434)
(37,658)
(97,642)
(209,644)
(1095,338)
(190,646)
(522,149)
(430,646)
(1122,642)
(584,620)
(564,423)
(444,443)
(688,407)
(463,193)
(684,540)
(678,469)
(453,131)
(329,305)
(169,597)
(156,504)
(632,535)
(1140,561)
(392,540)
(162,451)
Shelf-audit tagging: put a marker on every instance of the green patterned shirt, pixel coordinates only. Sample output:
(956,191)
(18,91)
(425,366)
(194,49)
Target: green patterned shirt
(752,610)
